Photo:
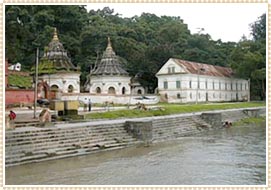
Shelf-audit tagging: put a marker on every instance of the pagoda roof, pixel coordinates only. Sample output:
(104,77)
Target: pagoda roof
(109,64)
(56,53)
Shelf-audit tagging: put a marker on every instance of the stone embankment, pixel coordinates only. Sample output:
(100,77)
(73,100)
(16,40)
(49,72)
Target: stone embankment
(34,144)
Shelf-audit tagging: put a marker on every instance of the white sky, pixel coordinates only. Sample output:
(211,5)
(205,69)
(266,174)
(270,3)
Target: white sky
(225,21)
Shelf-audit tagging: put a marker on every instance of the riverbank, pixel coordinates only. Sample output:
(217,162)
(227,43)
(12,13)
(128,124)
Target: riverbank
(33,144)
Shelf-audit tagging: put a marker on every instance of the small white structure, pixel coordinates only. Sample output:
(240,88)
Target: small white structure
(181,81)
(15,67)
(66,79)
(136,88)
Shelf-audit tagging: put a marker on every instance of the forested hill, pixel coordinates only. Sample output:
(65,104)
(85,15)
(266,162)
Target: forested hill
(143,42)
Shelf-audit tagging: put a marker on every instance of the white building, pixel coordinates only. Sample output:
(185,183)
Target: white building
(181,81)
(65,79)
(15,67)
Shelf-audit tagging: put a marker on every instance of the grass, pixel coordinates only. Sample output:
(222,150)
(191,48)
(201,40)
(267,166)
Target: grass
(20,81)
(169,109)
(251,120)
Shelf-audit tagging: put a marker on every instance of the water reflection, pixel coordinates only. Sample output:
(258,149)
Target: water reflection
(234,156)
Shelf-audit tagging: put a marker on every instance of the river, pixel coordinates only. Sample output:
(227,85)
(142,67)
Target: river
(233,156)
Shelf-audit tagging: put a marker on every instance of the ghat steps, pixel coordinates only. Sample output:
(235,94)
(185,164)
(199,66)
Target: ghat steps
(33,144)
(30,144)
(39,144)
(172,128)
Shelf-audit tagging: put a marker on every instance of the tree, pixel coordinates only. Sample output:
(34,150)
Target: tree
(248,59)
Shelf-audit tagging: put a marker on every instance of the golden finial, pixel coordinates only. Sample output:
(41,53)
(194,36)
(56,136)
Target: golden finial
(55,38)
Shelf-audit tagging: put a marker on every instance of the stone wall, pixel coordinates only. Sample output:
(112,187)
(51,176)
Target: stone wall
(19,96)
(141,130)
(214,119)
(116,99)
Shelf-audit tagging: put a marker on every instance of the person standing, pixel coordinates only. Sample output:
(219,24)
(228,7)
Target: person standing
(12,115)
(11,118)
(89,105)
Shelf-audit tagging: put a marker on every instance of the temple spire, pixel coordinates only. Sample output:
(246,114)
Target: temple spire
(55,38)
(109,48)
(109,42)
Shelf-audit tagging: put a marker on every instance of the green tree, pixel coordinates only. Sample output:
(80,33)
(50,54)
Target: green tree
(248,59)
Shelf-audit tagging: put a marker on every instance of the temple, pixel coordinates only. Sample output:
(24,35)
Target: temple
(109,77)
(56,71)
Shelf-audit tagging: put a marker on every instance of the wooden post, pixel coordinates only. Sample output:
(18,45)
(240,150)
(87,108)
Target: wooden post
(36,84)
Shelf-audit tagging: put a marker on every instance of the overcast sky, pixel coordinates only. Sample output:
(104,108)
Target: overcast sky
(225,21)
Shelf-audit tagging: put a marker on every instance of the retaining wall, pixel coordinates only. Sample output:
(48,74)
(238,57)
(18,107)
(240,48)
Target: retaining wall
(33,144)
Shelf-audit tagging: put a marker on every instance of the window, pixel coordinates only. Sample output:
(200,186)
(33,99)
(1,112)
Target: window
(213,95)
(123,90)
(190,95)
(206,84)
(231,87)
(111,90)
(54,88)
(165,85)
(219,85)
(139,91)
(199,95)
(70,89)
(98,90)
(213,84)
(166,96)
(178,96)
(241,86)
(245,86)
(178,84)
(171,69)
(190,84)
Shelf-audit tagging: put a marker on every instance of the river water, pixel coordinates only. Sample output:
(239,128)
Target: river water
(233,156)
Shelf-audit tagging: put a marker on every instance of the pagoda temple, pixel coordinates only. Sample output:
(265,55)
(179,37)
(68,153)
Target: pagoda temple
(109,77)
(59,75)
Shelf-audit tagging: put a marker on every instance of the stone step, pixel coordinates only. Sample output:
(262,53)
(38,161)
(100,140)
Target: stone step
(63,134)
(63,139)
(65,142)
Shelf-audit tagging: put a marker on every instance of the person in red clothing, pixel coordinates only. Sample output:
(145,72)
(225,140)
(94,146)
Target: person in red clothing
(12,115)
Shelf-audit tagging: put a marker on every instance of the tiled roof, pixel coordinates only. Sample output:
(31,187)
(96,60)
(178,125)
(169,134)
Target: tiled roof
(58,55)
(109,64)
(204,69)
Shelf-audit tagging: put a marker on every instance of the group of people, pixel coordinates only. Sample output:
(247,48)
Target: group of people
(227,124)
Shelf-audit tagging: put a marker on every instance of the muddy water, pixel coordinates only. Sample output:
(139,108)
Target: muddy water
(235,156)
